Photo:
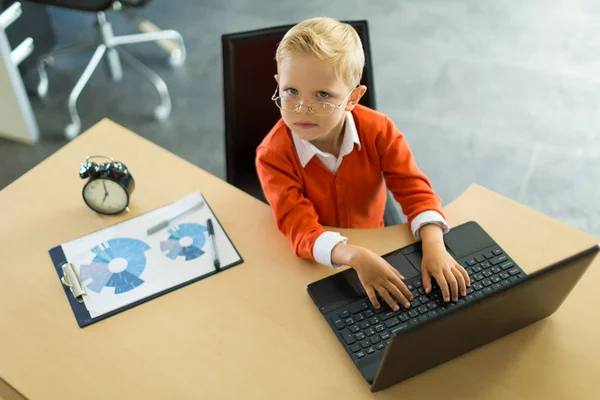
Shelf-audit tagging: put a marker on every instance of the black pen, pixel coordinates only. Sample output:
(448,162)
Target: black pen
(213,243)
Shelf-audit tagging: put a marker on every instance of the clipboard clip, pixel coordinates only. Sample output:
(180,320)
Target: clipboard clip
(71,280)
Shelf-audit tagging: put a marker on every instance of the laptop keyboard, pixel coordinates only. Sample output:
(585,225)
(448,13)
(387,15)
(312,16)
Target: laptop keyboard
(365,330)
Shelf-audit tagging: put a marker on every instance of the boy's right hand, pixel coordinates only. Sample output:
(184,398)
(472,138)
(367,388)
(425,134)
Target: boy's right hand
(376,275)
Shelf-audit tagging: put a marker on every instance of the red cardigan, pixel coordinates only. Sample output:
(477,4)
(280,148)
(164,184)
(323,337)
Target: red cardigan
(305,199)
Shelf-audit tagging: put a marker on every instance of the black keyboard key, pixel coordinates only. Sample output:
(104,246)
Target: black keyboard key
(507,265)
(399,328)
(344,315)
(339,324)
(373,320)
(423,309)
(354,328)
(487,273)
(371,350)
(469,270)
(364,325)
(496,286)
(496,270)
(486,282)
(413,313)
(365,343)
(350,321)
(415,303)
(485,265)
(432,306)
(477,268)
(421,291)
(470,297)
(391,322)
(368,313)
(424,299)
(514,271)
(478,276)
(379,328)
(348,338)
(359,336)
(380,346)
(470,290)
(375,339)
(489,255)
(495,279)
(417,284)
(499,259)
(410,287)
(358,307)
(355,347)
(404,317)
(488,290)
(369,331)
(477,286)
(360,354)
(389,314)
(471,262)
(479,258)
(423,318)
(359,317)
(383,307)
(384,336)
(497,252)
(504,275)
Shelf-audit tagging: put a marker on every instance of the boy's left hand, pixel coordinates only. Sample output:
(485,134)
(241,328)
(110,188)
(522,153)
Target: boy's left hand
(438,264)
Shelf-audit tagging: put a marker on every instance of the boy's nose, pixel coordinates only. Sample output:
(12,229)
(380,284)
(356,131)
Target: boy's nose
(299,108)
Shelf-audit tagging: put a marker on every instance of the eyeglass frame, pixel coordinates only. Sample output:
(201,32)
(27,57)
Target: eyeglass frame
(299,104)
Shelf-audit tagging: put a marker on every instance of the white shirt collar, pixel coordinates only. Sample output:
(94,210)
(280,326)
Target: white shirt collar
(306,150)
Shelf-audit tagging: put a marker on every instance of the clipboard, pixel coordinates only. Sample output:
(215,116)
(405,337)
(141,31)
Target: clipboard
(77,288)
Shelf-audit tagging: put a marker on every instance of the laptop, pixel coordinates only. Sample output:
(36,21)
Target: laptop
(502,299)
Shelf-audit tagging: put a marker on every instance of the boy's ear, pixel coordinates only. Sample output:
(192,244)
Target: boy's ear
(276,78)
(355,97)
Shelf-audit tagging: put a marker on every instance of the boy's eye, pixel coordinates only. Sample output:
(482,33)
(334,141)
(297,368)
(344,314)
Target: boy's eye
(291,91)
(323,95)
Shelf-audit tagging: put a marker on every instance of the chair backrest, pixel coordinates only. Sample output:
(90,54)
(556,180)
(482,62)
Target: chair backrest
(248,69)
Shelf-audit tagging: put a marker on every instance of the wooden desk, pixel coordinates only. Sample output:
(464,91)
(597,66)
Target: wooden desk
(251,332)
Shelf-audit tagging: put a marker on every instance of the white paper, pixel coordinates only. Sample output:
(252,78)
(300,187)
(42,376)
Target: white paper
(122,264)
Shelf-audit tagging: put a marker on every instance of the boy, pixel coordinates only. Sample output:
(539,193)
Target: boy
(328,162)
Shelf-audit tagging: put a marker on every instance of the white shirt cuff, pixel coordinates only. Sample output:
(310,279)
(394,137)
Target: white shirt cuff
(428,217)
(324,246)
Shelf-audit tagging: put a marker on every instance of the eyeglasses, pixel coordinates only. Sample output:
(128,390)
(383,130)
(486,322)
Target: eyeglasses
(319,108)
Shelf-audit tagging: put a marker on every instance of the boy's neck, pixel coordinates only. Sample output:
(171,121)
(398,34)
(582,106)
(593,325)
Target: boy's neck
(333,142)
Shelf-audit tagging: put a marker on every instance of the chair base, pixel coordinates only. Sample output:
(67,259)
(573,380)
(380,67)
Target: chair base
(108,48)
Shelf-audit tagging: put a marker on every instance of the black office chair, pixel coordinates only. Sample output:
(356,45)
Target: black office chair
(248,69)
(109,45)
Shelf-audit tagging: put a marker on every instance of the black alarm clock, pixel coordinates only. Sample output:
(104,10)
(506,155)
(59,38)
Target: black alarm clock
(109,186)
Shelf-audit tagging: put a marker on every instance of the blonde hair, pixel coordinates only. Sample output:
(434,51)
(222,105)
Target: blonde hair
(329,40)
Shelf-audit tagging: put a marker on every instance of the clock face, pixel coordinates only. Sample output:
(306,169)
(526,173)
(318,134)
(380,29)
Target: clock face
(105,196)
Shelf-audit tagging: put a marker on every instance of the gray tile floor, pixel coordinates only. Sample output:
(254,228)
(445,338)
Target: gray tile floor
(499,92)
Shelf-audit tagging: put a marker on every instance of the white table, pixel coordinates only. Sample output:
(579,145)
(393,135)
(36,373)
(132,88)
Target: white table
(17,121)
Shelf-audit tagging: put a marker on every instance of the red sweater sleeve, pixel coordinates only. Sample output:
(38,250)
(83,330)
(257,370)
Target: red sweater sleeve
(294,214)
(410,187)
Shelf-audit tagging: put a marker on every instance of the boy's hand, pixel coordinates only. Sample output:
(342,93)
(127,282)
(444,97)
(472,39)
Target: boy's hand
(375,274)
(438,264)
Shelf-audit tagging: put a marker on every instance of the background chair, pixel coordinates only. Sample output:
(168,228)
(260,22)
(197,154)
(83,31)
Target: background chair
(248,69)
(108,47)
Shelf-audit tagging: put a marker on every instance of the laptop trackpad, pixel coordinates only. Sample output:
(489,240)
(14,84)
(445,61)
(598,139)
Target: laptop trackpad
(401,263)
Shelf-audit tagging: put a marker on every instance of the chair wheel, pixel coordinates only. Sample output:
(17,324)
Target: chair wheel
(161,113)
(177,58)
(42,89)
(71,131)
